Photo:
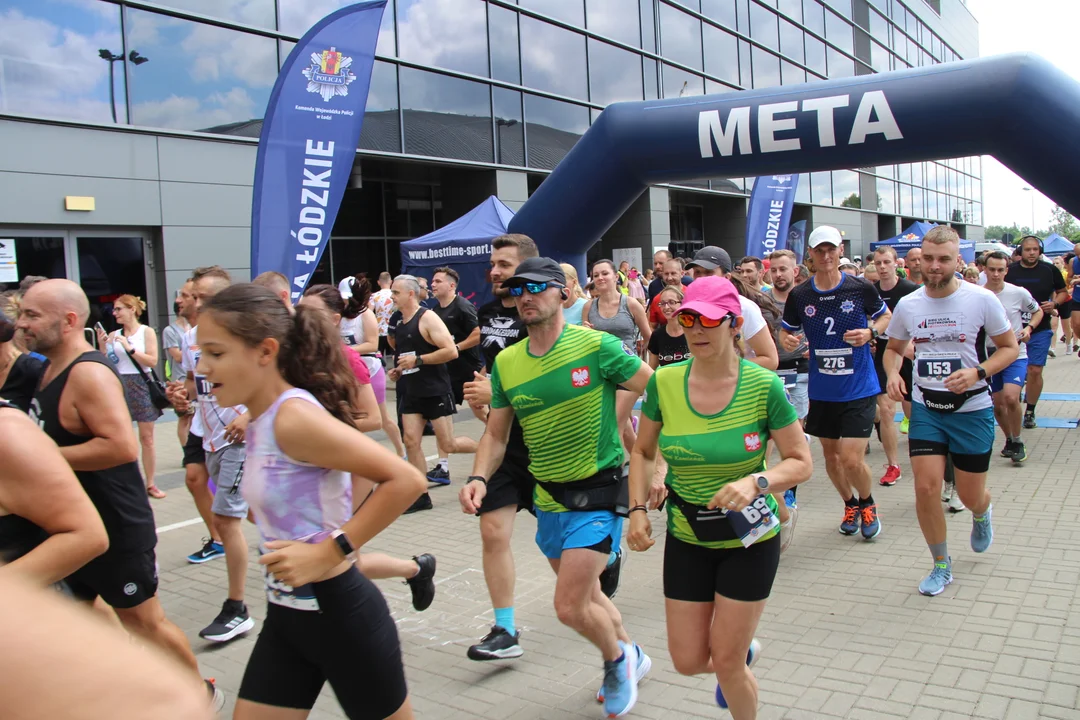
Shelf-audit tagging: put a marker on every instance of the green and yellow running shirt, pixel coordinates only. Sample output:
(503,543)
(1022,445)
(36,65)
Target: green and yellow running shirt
(565,402)
(705,452)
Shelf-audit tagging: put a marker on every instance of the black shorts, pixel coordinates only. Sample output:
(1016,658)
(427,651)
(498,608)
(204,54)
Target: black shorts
(384,346)
(193,450)
(1065,310)
(429,408)
(351,641)
(835,420)
(697,574)
(511,484)
(122,580)
(883,380)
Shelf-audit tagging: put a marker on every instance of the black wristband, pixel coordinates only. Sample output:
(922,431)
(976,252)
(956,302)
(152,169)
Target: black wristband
(476,477)
(639,507)
(982,372)
(343,543)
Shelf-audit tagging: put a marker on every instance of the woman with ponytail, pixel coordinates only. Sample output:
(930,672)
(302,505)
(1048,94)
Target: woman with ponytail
(325,621)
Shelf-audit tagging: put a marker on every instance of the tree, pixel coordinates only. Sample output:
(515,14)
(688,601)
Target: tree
(1063,223)
(851,201)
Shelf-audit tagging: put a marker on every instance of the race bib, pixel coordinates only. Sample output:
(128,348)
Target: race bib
(789,377)
(349,339)
(301,598)
(413,370)
(753,522)
(937,366)
(835,362)
(203,387)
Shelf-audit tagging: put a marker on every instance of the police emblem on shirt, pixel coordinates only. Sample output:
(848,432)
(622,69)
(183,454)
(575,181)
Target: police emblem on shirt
(811,311)
(847,306)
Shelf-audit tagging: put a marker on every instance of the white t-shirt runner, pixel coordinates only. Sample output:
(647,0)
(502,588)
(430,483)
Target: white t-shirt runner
(1019,306)
(753,323)
(949,334)
(210,418)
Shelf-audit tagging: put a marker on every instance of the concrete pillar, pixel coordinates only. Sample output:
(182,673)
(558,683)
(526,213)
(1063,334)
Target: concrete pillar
(512,187)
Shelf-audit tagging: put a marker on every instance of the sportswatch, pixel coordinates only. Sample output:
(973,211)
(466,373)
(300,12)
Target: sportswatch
(762,482)
(982,372)
(343,543)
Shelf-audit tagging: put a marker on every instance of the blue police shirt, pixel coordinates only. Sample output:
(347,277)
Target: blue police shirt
(838,371)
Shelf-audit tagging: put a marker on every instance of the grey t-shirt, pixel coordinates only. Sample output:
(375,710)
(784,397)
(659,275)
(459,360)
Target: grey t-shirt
(793,359)
(171,338)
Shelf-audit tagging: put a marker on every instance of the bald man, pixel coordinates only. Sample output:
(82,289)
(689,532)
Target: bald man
(276,283)
(79,403)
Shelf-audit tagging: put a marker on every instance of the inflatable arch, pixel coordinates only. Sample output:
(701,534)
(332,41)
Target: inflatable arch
(1018,108)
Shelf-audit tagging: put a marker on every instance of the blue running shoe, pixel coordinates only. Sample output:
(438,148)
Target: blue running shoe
(982,532)
(850,524)
(439,475)
(620,683)
(789,498)
(751,658)
(871,523)
(644,665)
(934,583)
(208,552)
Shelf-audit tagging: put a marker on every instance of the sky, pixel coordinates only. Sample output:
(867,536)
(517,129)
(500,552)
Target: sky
(1047,27)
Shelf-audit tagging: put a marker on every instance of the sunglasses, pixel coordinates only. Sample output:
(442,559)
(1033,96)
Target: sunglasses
(533,288)
(687,320)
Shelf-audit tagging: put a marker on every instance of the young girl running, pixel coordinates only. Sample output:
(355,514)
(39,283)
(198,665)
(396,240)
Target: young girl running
(325,621)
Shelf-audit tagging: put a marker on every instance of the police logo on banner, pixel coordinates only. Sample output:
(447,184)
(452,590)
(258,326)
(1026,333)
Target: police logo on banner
(329,74)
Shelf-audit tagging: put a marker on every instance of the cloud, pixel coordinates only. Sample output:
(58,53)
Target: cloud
(188,113)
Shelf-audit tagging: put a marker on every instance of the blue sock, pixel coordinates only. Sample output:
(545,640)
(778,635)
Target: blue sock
(504,618)
(611,558)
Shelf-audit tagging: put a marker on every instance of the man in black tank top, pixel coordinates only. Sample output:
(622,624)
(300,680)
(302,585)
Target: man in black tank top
(423,347)
(80,405)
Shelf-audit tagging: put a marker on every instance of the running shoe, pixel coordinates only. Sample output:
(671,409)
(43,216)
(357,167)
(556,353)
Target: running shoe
(751,657)
(644,664)
(217,698)
(954,503)
(233,620)
(1008,450)
(789,498)
(892,474)
(439,475)
(609,578)
(1051,353)
(620,682)
(422,503)
(1019,453)
(982,531)
(1068,351)
(209,551)
(947,491)
(871,523)
(787,529)
(1029,421)
(934,583)
(904,425)
(850,524)
(422,584)
(497,645)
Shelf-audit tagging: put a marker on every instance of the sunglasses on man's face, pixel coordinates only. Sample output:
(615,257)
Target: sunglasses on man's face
(687,320)
(533,288)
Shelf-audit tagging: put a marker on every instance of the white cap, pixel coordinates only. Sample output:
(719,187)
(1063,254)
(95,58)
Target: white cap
(824,234)
(844,261)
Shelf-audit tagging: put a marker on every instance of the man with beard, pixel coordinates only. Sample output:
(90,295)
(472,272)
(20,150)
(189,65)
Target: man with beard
(1046,285)
(79,403)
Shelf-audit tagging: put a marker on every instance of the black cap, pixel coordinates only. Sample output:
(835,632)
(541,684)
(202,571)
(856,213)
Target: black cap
(711,257)
(536,269)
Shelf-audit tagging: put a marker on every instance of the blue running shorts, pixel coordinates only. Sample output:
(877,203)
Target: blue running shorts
(591,529)
(1015,374)
(1038,346)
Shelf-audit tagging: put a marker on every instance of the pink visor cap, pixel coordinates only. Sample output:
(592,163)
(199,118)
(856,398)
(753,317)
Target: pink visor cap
(712,297)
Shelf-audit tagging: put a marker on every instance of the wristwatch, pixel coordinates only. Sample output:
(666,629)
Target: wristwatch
(343,543)
(419,360)
(874,334)
(762,482)
(982,372)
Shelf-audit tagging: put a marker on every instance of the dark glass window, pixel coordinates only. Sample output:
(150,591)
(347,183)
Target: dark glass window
(503,28)
(552,128)
(723,11)
(509,127)
(409,210)
(763,27)
(679,83)
(840,65)
(382,126)
(721,54)
(552,59)
(49,61)
(766,68)
(423,35)
(614,73)
(199,77)
(361,213)
(815,56)
(617,19)
(297,17)
(680,37)
(791,41)
(569,11)
(445,116)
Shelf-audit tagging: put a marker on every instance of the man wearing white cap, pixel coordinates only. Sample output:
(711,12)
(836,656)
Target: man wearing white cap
(832,310)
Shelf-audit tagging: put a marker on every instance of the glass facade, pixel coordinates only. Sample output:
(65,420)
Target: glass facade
(482,81)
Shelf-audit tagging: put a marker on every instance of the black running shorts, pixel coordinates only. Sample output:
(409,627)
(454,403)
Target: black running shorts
(509,485)
(193,450)
(882,378)
(429,408)
(835,420)
(122,580)
(697,574)
(350,642)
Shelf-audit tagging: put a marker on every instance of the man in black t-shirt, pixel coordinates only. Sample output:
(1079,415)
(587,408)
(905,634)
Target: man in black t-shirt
(459,316)
(1046,285)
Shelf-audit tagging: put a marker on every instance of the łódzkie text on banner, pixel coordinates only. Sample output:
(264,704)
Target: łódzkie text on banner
(769,213)
(309,140)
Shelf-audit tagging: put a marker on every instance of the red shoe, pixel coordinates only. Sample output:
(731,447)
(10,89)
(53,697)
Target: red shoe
(892,474)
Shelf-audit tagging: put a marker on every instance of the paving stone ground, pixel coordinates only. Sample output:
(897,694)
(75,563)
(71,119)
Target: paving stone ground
(845,633)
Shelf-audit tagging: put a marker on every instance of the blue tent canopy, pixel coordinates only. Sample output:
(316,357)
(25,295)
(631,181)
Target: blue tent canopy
(464,245)
(912,237)
(1055,244)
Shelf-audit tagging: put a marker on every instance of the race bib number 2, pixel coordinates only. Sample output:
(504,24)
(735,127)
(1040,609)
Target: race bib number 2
(753,522)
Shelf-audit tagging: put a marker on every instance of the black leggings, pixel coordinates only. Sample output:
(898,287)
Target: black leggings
(351,641)
(697,574)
